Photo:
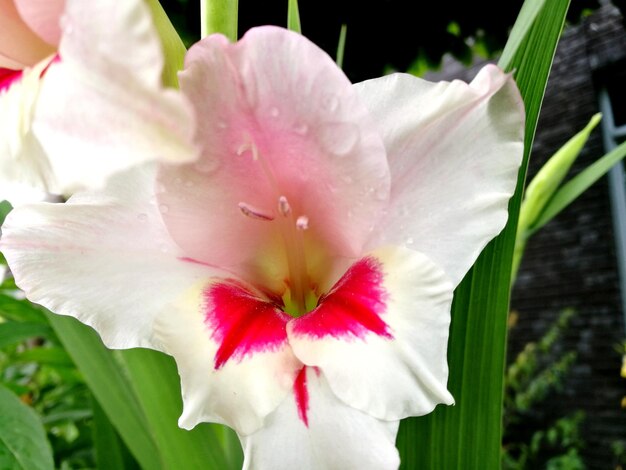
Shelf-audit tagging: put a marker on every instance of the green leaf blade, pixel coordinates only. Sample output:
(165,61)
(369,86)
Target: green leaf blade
(157,386)
(571,190)
(23,443)
(109,386)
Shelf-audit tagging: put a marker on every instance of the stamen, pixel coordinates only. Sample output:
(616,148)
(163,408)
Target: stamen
(283,206)
(302,223)
(243,148)
(253,212)
(291,230)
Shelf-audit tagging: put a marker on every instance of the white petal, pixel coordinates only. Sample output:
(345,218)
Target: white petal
(337,436)
(239,393)
(454,152)
(103,108)
(25,173)
(382,344)
(104,258)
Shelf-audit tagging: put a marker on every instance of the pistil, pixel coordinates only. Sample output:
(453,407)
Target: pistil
(293,235)
(292,230)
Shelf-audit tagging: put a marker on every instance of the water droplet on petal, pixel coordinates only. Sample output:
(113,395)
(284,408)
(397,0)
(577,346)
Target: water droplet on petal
(221,125)
(207,165)
(66,25)
(188,184)
(302,223)
(330,103)
(339,138)
(143,217)
(410,241)
(164,208)
(249,85)
(301,129)
(382,193)
(274,112)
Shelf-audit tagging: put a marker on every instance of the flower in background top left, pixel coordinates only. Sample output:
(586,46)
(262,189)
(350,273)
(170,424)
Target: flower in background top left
(75,75)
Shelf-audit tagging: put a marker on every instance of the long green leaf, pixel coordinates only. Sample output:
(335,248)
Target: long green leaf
(468,435)
(293,17)
(579,184)
(23,443)
(157,385)
(173,48)
(107,444)
(110,387)
(525,20)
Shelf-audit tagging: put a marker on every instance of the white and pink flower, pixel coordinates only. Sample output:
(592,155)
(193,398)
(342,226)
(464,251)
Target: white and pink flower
(81,96)
(301,270)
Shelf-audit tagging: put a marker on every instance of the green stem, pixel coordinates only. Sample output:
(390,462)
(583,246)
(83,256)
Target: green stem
(219,16)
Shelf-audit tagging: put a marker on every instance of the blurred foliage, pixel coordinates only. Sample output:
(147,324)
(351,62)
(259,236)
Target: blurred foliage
(532,380)
(40,372)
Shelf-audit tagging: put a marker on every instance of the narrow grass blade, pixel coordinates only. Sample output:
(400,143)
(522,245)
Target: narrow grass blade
(578,185)
(341,46)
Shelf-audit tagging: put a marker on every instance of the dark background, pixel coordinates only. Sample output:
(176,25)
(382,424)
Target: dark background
(387,33)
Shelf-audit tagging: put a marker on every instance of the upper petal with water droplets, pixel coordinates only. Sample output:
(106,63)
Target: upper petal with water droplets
(276,117)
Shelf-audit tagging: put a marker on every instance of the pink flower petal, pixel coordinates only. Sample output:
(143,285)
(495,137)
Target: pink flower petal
(454,151)
(390,363)
(42,17)
(335,435)
(19,45)
(276,117)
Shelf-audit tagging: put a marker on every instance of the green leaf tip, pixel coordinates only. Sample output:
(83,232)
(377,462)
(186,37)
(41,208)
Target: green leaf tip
(293,17)
(547,181)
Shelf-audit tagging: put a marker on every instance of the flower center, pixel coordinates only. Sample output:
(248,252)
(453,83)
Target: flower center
(299,298)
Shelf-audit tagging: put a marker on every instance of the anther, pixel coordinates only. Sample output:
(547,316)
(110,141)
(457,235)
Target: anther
(253,212)
(283,206)
(243,148)
(302,223)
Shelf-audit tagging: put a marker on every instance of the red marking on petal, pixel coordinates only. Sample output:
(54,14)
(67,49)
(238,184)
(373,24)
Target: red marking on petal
(55,60)
(8,77)
(301,394)
(241,322)
(352,308)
